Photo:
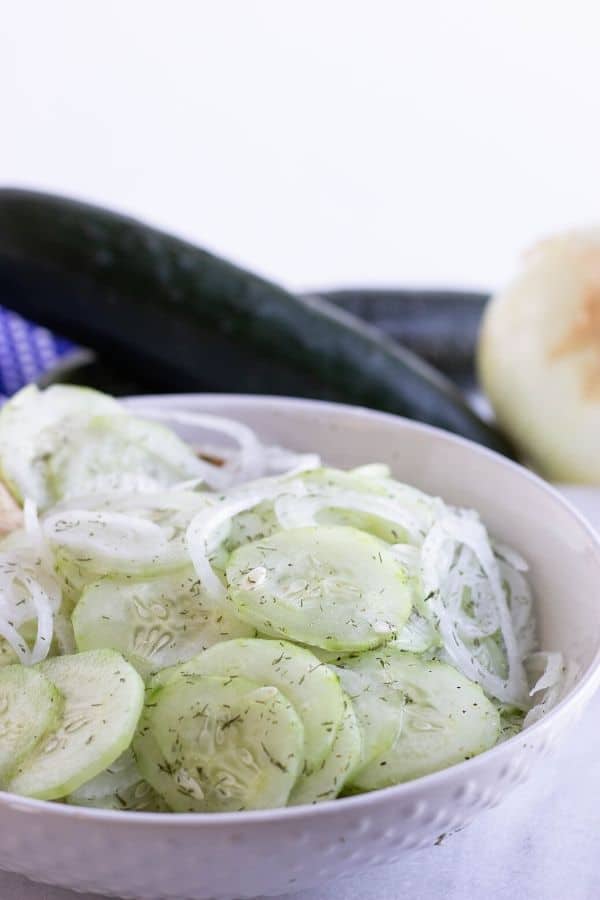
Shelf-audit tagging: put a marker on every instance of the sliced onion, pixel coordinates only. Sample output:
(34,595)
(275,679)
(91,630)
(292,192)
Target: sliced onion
(409,556)
(103,539)
(280,460)
(23,598)
(248,464)
(204,527)
(200,537)
(520,602)
(18,644)
(377,471)
(35,533)
(293,512)
(510,556)
(547,668)
(45,621)
(550,677)
(253,460)
(439,550)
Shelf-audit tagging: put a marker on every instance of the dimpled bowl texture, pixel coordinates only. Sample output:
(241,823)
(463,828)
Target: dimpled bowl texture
(273,852)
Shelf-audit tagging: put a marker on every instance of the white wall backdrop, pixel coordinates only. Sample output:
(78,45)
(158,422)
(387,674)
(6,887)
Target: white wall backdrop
(321,142)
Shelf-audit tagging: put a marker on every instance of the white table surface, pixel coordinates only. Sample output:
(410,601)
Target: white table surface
(543,843)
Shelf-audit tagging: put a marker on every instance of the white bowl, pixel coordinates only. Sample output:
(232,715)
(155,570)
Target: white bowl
(240,855)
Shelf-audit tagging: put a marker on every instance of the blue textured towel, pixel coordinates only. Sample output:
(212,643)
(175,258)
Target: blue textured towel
(26,351)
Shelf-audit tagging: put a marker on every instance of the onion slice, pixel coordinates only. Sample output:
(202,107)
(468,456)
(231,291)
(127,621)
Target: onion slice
(442,571)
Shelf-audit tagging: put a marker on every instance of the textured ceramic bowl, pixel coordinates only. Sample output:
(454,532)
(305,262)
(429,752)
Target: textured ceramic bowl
(248,854)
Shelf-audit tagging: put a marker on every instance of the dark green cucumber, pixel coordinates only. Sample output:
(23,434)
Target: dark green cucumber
(439,326)
(151,301)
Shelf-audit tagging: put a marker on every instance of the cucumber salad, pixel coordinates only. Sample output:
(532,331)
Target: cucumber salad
(217,625)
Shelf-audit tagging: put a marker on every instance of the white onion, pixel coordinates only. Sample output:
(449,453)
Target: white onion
(280,460)
(253,460)
(18,644)
(28,592)
(294,512)
(248,464)
(510,556)
(35,533)
(445,597)
(105,538)
(45,621)
(538,357)
(200,538)
(550,677)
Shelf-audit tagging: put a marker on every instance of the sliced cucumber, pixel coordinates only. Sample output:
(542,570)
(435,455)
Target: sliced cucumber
(63,642)
(73,576)
(415,511)
(312,688)
(326,487)
(227,744)
(30,707)
(103,698)
(155,769)
(409,513)
(328,779)
(121,786)
(120,453)
(142,534)
(251,525)
(332,587)
(417,635)
(63,639)
(33,425)
(379,710)
(8,657)
(445,717)
(154,622)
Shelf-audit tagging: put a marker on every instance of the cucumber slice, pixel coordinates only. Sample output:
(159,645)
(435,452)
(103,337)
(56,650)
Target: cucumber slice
(378,709)
(365,498)
(251,525)
(8,657)
(73,577)
(121,786)
(22,547)
(120,453)
(30,707)
(415,515)
(155,622)
(312,688)
(141,534)
(417,635)
(63,642)
(332,587)
(445,718)
(326,782)
(33,424)
(103,698)
(153,766)
(227,744)
(326,489)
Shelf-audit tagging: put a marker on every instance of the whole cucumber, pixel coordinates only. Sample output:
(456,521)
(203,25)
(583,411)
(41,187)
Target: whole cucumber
(146,299)
(440,326)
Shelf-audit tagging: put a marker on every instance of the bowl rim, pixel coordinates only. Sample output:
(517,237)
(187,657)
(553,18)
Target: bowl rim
(585,687)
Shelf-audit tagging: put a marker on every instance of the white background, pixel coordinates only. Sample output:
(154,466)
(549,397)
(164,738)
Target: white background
(321,142)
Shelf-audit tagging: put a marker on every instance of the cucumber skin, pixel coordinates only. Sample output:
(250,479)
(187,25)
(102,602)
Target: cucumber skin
(442,327)
(199,322)
(74,778)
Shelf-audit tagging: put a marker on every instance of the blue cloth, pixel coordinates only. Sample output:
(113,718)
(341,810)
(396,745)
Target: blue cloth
(26,351)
